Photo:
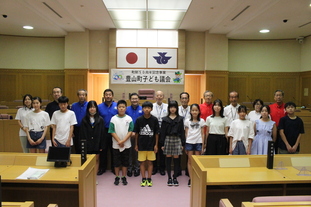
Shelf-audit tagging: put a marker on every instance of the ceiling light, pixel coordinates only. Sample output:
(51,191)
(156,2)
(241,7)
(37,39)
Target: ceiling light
(264,31)
(160,14)
(27,27)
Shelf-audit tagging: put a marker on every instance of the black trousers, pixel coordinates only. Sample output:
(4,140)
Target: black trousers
(159,163)
(76,139)
(103,155)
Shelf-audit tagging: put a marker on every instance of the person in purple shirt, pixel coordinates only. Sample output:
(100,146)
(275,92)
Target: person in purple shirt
(79,108)
(107,109)
(134,111)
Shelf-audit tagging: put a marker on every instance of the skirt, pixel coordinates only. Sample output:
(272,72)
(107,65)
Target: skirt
(172,146)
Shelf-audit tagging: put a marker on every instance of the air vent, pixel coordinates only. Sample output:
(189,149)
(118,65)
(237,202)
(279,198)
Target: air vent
(304,24)
(48,6)
(243,10)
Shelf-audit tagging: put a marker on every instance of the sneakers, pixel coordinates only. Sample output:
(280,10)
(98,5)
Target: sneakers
(117,180)
(189,183)
(124,181)
(149,182)
(170,182)
(136,173)
(143,182)
(129,173)
(175,182)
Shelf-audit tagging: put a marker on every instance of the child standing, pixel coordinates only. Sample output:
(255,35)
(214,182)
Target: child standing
(92,130)
(63,121)
(265,130)
(36,126)
(146,136)
(173,137)
(217,130)
(241,134)
(194,134)
(121,127)
(291,127)
(21,119)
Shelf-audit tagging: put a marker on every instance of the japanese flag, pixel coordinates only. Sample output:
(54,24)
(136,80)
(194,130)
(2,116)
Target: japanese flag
(131,57)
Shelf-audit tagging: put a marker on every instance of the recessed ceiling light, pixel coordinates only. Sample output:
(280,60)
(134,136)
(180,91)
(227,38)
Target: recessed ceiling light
(264,31)
(27,27)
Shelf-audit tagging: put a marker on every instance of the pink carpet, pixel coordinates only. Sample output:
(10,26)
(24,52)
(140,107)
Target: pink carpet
(133,195)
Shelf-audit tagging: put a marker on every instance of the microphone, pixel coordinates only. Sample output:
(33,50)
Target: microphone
(249,98)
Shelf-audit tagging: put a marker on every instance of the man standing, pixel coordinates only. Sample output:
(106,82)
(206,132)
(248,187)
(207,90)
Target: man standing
(231,111)
(159,111)
(277,111)
(184,111)
(79,108)
(207,107)
(134,111)
(184,108)
(107,109)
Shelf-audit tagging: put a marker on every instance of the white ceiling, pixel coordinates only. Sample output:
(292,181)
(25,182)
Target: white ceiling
(214,16)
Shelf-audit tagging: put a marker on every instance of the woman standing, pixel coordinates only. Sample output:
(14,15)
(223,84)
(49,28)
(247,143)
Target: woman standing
(21,119)
(255,114)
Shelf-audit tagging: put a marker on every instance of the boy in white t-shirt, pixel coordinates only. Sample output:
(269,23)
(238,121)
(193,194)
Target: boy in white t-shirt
(63,121)
(121,127)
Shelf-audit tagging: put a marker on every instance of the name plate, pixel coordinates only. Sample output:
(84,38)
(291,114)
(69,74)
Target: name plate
(235,162)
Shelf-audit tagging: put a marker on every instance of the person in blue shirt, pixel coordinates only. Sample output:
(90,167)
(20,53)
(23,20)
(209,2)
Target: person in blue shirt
(106,110)
(134,111)
(79,108)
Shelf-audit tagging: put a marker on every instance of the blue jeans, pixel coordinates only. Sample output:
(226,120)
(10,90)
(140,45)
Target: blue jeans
(239,149)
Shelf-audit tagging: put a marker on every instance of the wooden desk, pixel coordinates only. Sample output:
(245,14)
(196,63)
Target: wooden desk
(18,204)
(277,204)
(242,177)
(74,185)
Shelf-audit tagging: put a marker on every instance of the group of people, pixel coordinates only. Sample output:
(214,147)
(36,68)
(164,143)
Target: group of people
(148,137)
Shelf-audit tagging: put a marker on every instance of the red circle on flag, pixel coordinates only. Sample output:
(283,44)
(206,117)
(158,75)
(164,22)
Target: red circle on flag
(131,58)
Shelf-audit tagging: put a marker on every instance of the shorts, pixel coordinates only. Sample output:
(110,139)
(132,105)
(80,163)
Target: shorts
(146,155)
(193,147)
(35,136)
(121,158)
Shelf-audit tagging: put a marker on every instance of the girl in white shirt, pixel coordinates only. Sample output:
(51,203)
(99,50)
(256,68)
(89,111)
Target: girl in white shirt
(217,130)
(21,119)
(241,134)
(36,127)
(194,132)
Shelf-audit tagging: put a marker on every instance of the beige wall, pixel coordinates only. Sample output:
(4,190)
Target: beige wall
(195,51)
(31,52)
(99,49)
(306,54)
(264,56)
(216,52)
(77,50)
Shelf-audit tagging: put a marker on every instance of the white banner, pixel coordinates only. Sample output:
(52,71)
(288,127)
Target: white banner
(162,58)
(131,57)
(153,76)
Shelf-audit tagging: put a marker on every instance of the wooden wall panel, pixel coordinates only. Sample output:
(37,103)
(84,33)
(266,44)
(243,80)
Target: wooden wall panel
(192,86)
(29,84)
(99,83)
(290,87)
(75,80)
(8,84)
(260,88)
(239,84)
(217,82)
(54,80)
(305,81)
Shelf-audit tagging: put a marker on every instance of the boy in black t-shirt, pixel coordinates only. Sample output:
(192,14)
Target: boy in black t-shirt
(146,135)
(291,127)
